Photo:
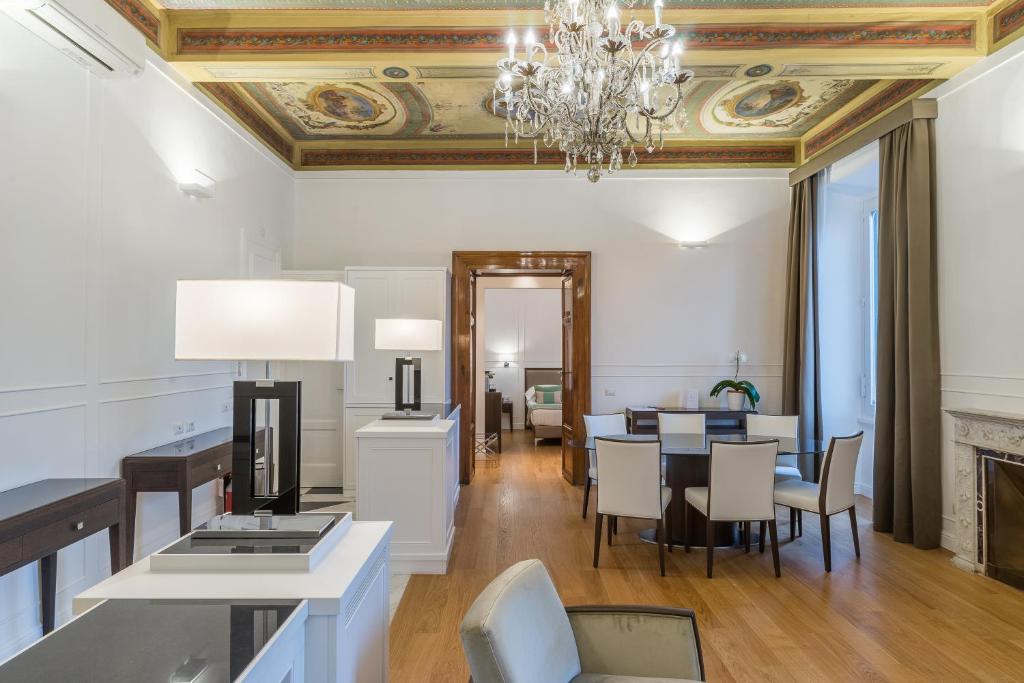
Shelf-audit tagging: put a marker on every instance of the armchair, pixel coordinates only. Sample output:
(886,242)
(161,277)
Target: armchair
(517,631)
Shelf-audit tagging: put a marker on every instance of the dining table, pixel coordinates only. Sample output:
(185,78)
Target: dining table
(686,458)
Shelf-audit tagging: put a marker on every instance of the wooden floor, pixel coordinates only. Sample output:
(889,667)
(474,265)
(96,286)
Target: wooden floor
(899,614)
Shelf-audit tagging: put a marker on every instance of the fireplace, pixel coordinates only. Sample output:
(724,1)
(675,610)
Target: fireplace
(989,494)
(1004,516)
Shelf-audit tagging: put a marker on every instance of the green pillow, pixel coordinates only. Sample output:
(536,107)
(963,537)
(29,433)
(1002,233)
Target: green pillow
(548,397)
(548,388)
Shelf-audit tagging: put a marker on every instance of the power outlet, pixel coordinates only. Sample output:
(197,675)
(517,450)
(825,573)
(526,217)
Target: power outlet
(179,428)
(609,392)
(225,407)
(190,427)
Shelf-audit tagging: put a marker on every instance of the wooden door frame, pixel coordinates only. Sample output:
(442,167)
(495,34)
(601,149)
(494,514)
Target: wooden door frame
(465,265)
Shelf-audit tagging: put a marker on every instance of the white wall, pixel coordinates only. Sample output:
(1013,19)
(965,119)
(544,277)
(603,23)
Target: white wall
(664,320)
(519,322)
(94,233)
(842,254)
(980,165)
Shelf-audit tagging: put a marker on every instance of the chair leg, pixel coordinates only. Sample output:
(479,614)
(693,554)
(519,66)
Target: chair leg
(760,534)
(586,495)
(611,523)
(667,516)
(774,532)
(853,528)
(711,547)
(686,527)
(799,522)
(615,526)
(745,530)
(826,540)
(597,537)
(792,523)
(660,532)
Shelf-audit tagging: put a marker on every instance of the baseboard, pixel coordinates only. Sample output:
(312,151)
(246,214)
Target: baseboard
(422,563)
(866,490)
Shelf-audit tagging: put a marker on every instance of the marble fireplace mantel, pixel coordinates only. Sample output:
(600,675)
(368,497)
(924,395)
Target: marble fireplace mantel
(992,433)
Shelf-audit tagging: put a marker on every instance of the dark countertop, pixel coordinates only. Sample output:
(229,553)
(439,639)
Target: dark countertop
(17,501)
(130,641)
(193,444)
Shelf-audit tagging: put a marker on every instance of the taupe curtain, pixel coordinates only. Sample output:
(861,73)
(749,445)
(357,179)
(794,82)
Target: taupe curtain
(801,364)
(907,481)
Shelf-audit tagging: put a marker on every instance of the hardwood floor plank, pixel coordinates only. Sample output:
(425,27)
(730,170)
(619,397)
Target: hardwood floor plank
(897,614)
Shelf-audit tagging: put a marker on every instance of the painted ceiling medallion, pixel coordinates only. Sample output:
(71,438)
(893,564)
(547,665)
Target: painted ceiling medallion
(759,70)
(346,104)
(395,72)
(764,107)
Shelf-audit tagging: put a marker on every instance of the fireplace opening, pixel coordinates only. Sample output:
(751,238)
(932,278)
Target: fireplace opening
(1004,521)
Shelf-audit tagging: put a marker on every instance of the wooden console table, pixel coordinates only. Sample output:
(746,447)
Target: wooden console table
(176,467)
(38,519)
(644,419)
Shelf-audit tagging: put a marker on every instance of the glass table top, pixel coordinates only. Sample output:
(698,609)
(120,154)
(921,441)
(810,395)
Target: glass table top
(700,444)
(154,640)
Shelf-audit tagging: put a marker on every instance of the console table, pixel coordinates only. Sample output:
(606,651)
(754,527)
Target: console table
(644,419)
(38,519)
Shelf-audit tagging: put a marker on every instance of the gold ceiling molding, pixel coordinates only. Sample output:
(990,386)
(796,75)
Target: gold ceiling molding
(418,52)
(777,155)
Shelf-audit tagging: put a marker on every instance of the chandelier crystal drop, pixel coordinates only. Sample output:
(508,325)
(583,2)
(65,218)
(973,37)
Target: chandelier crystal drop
(607,86)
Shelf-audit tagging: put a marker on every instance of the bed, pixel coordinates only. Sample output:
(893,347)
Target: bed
(544,407)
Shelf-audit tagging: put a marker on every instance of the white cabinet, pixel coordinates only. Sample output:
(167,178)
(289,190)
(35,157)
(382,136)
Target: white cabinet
(409,474)
(384,292)
(395,293)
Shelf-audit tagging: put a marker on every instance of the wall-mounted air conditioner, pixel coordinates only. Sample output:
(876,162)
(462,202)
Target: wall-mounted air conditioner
(90,32)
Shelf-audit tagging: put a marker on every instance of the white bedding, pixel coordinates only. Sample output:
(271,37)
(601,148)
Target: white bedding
(547,416)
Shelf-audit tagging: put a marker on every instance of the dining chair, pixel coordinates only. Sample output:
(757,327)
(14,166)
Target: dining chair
(599,425)
(681,423)
(518,631)
(631,486)
(740,485)
(834,495)
(786,465)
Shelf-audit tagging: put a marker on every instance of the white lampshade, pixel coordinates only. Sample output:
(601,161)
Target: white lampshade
(406,334)
(264,320)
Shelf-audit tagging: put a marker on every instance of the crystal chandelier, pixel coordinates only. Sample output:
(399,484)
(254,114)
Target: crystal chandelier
(607,86)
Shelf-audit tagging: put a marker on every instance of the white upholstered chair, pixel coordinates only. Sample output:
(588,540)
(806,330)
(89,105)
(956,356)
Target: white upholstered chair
(785,426)
(630,474)
(681,423)
(599,425)
(517,631)
(741,481)
(833,496)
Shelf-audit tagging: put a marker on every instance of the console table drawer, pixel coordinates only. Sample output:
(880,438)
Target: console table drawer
(10,553)
(213,469)
(73,528)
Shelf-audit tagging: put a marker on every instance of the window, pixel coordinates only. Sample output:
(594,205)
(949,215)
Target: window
(870,307)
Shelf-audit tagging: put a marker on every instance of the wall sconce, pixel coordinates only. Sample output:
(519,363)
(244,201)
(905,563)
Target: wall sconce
(507,364)
(693,244)
(199,185)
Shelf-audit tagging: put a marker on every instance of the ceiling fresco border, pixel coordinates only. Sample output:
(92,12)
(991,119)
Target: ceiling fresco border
(1008,20)
(935,33)
(244,113)
(140,16)
(871,109)
(690,155)
(442,5)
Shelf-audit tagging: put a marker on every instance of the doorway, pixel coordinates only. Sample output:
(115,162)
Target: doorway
(574,270)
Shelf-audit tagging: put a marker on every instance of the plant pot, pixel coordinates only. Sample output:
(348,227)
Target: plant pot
(735,399)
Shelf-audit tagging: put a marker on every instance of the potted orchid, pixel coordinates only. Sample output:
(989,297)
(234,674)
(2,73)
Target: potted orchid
(737,390)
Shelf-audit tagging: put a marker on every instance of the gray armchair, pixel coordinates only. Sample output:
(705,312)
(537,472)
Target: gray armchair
(517,631)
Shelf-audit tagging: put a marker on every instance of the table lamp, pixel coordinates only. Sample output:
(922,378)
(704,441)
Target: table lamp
(264,320)
(406,334)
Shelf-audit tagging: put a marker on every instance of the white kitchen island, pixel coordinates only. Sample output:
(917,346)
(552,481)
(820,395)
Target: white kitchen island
(346,629)
(408,473)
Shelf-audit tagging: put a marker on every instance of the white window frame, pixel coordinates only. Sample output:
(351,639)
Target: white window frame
(869,286)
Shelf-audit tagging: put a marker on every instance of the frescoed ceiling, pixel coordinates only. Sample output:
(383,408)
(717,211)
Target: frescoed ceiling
(355,84)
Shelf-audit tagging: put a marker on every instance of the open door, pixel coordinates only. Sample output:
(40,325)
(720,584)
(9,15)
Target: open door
(470,414)
(568,377)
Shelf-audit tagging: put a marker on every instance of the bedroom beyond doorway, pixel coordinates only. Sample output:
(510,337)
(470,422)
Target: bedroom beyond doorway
(519,372)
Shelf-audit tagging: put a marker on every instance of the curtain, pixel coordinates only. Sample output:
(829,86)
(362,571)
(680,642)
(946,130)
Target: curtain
(907,479)
(801,364)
